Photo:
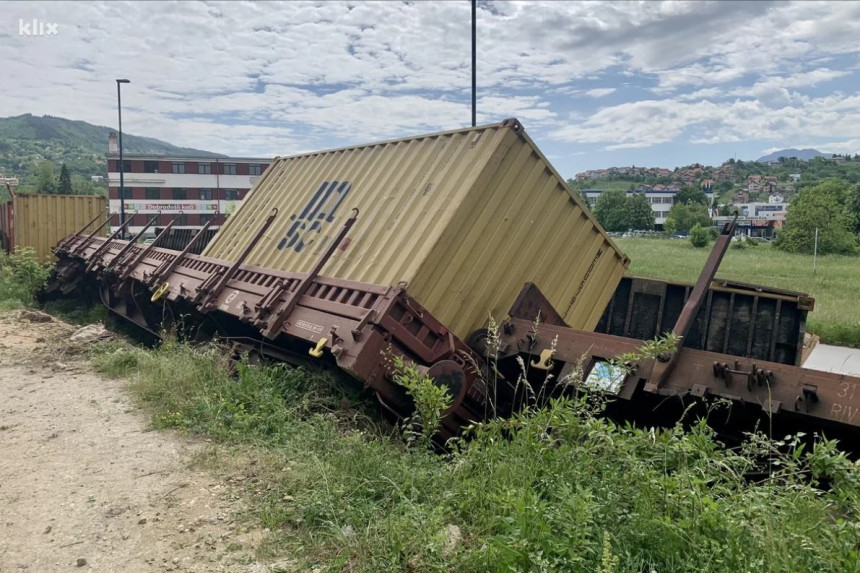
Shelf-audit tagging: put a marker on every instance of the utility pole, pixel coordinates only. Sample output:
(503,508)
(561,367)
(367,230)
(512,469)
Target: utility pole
(474,62)
(121,163)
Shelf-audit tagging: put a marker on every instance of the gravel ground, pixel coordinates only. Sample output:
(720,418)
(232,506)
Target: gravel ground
(85,485)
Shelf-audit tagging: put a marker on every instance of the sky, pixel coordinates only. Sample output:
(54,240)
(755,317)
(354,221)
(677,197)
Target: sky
(596,84)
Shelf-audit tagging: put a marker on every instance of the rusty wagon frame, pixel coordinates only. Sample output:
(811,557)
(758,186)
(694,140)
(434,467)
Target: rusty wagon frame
(297,317)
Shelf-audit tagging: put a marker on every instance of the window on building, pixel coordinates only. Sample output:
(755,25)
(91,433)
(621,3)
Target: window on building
(231,194)
(206,194)
(668,200)
(204,168)
(180,193)
(126,192)
(205,219)
(182,219)
(229,168)
(179,168)
(255,169)
(153,193)
(150,166)
(126,166)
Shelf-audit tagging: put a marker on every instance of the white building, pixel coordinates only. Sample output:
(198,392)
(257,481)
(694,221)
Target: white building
(194,190)
(661,200)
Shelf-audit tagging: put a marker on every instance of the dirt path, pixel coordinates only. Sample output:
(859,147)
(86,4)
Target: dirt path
(84,483)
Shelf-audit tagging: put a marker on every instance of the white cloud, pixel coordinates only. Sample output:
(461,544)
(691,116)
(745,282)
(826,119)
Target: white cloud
(599,92)
(650,122)
(255,78)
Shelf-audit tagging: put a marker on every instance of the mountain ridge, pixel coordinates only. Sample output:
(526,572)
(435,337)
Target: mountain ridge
(27,140)
(801,154)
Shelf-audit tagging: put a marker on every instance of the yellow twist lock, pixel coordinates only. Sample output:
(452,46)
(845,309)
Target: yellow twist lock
(160,292)
(545,360)
(317,351)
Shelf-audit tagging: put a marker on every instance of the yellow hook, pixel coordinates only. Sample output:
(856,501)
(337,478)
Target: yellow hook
(317,351)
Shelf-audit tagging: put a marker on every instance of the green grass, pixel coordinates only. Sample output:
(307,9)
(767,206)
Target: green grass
(835,285)
(21,275)
(553,489)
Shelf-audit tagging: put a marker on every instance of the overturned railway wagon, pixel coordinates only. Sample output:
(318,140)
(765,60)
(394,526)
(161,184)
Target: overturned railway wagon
(407,247)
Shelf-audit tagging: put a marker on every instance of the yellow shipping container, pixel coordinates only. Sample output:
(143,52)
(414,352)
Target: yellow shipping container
(464,217)
(40,221)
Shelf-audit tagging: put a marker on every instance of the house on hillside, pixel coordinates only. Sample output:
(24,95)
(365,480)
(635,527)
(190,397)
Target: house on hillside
(794,177)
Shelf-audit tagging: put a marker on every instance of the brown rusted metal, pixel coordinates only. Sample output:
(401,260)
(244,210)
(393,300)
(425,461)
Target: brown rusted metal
(96,257)
(208,292)
(740,315)
(280,310)
(119,256)
(355,324)
(90,236)
(165,268)
(771,386)
(697,297)
(129,268)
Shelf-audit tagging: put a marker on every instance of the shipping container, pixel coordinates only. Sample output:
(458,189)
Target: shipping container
(464,217)
(40,221)
(736,318)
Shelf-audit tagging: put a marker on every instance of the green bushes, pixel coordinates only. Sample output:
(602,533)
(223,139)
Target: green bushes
(699,236)
(557,488)
(21,276)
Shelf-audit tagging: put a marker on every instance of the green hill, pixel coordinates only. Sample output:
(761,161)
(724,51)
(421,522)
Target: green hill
(27,140)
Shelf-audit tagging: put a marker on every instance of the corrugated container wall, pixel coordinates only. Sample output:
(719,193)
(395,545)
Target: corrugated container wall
(464,217)
(40,221)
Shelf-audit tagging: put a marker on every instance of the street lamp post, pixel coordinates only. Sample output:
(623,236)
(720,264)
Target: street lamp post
(121,163)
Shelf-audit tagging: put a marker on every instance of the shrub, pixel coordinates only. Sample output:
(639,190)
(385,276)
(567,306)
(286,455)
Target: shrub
(21,276)
(430,401)
(699,236)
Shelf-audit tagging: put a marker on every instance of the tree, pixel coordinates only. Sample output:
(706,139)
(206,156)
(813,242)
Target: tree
(684,217)
(852,206)
(820,207)
(689,195)
(637,213)
(83,186)
(699,236)
(610,210)
(574,190)
(65,187)
(46,180)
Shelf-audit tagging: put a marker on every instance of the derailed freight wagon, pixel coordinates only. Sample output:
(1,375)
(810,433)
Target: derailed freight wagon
(408,247)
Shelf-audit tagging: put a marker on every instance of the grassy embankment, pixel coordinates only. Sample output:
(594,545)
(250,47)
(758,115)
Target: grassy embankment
(835,285)
(558,488)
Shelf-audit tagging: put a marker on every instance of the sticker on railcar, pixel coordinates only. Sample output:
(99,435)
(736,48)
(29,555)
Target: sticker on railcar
(315,328)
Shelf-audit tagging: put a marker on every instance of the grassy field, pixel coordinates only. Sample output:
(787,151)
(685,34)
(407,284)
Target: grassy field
(835,285)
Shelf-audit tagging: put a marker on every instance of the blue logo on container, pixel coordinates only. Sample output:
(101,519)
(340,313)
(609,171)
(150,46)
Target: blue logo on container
(321,208)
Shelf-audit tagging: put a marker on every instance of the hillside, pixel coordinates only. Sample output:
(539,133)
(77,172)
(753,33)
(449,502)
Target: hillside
(802,154)
(26,140)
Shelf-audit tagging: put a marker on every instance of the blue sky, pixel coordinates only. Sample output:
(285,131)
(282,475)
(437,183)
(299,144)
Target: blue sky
(595,83)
